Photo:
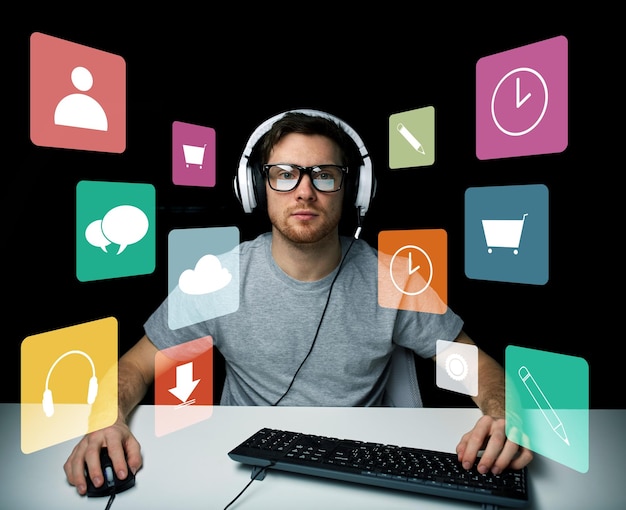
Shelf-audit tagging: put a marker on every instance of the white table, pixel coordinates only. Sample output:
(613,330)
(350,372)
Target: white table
(190,469)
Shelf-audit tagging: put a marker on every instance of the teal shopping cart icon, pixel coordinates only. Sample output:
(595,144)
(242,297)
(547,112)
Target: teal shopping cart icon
(506,233)
(503,233)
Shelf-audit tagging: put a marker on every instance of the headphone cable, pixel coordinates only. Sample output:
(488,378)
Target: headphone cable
(319,325)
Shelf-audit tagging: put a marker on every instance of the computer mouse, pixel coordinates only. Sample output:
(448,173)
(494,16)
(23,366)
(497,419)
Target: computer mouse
(112,484)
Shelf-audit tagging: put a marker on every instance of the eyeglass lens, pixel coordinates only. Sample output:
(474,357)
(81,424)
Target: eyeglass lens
(285,177)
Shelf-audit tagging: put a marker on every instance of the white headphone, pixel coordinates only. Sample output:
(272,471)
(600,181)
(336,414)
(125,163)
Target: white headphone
(48,403)
(248,181)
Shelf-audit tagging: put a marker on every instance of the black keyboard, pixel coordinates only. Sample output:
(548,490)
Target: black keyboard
(383,465)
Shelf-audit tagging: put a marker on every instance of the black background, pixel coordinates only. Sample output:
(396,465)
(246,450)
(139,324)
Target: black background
(231,73)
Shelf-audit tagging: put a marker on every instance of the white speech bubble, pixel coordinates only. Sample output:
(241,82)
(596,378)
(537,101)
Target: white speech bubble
(95,237)
(208,276)
(124,225)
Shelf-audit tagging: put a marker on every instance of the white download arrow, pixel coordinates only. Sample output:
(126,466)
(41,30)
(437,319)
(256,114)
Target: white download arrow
(184,382)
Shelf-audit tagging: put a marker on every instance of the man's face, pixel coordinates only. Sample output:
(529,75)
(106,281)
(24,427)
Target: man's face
(305,215)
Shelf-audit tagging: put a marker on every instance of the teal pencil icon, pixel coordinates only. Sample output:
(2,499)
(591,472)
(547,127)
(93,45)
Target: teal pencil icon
(542,403)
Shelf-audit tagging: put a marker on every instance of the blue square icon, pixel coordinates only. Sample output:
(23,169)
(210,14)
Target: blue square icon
(506,233)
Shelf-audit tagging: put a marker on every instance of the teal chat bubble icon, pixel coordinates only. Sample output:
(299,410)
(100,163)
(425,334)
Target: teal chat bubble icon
(115,230)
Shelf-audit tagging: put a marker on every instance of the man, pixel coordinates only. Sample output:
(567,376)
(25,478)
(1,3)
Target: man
(308,330)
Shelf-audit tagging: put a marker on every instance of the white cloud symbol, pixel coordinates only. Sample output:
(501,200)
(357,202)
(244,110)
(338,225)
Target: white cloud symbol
(208,276)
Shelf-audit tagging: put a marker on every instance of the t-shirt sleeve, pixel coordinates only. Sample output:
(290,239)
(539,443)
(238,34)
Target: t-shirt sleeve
(419,331)
(157,329)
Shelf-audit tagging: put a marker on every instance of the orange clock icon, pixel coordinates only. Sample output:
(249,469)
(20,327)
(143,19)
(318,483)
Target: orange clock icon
(411,270)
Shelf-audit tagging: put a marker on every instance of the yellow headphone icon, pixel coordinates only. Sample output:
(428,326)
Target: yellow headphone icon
(48,403)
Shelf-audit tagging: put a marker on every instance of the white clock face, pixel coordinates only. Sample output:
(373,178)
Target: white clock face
(411,270)
(519,101)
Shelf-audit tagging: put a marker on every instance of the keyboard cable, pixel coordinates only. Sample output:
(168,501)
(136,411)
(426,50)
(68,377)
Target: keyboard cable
(255,475)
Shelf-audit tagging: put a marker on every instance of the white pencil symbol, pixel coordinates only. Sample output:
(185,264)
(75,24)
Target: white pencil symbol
(542,403)
(408,136)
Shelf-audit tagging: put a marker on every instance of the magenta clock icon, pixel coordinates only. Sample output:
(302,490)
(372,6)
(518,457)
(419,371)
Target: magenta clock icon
(521,101)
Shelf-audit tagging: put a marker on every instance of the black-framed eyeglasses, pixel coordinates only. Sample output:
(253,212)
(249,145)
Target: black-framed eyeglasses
(287,176)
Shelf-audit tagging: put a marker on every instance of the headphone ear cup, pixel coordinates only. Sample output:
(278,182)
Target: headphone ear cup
(258,186)
(243,186)
(48,403)
(92,392)
(365,186)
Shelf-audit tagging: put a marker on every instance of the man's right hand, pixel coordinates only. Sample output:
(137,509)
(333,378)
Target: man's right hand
(123,448)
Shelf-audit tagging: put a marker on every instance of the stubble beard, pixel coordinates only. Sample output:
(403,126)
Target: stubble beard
(302,232)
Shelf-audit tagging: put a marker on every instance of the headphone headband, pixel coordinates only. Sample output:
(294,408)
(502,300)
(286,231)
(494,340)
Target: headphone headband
(245,181)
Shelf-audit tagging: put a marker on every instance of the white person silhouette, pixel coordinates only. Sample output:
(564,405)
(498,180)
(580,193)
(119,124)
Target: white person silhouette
(80,110)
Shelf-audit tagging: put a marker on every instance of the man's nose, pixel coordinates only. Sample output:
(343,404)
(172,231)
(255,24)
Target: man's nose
(305,187)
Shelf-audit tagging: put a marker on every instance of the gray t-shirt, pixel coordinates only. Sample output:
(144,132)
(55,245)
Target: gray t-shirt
(266,339)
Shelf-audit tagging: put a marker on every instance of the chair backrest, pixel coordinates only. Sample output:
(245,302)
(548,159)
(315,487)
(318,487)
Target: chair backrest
(402,388)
